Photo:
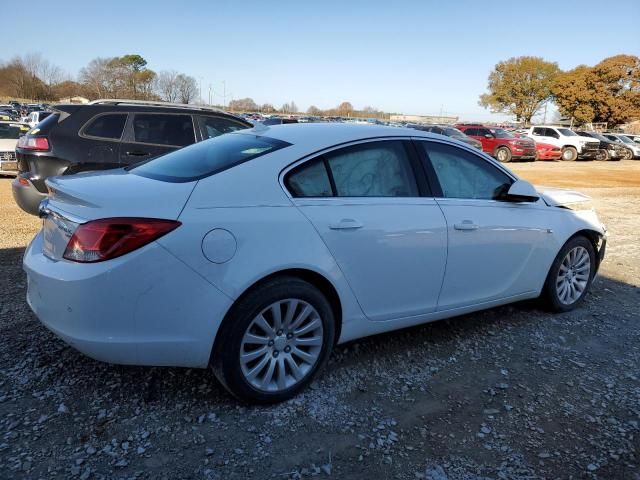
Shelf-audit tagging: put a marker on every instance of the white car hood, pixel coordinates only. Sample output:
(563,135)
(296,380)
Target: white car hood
(8,145)
(555,197)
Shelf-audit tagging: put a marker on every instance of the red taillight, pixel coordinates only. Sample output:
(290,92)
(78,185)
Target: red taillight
(108,238)
(33,143)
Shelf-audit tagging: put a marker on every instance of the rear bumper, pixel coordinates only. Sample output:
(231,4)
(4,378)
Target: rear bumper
(26,194)
(144,308)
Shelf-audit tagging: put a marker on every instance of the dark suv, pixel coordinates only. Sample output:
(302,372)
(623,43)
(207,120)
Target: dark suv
(107,134)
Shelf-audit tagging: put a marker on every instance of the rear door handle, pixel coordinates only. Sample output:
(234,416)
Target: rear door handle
(346,224)
(137,153)
(465,225)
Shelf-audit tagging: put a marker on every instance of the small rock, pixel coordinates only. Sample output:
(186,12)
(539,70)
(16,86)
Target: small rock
(485,430)
(326,468)
(121,463)
(592,467)
(62,408)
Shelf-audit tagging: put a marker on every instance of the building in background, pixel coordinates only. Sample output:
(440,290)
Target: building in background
(424,119)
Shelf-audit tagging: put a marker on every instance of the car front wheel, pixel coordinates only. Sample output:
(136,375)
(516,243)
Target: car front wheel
(274,341)
(571,274)
(602,155)
(503,154)
(569,154)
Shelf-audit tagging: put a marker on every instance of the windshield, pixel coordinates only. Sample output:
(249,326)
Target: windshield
(567,133)
(500,133)
(207,158)
(10,132)
(598,136)
(624,139)
(454,132)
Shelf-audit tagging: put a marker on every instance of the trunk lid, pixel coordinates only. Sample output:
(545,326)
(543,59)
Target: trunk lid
(76,199)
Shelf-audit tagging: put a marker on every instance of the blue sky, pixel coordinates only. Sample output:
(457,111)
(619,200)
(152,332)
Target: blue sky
(416,57)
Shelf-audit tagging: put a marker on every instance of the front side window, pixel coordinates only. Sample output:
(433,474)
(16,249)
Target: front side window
(462,174)
(208,158)
(376,169)
(484,131)
(163,129)
(539,131)
(552,133)
(214,126)
(107,126)
(471,131)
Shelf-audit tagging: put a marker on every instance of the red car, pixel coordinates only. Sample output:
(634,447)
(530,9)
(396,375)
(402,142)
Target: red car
(544,151)
(499,143)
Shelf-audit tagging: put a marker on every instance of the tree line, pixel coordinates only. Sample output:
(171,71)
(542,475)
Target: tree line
(33,77)
(606,92)
(345,109)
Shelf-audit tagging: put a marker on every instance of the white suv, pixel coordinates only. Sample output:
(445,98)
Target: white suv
(572,144)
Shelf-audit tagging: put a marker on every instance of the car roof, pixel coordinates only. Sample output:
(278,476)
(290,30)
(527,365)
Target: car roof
(316,136)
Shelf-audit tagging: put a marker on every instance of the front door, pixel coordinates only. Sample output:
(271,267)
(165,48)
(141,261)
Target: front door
(388,239)
(496,249)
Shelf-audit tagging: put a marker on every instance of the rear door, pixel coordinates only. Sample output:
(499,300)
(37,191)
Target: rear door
(386,233)
(149,135)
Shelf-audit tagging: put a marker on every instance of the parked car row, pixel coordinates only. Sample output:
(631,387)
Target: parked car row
(10,133)
(22,112)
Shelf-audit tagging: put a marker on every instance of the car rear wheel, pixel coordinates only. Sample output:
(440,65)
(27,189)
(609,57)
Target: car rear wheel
(627,155)
(274,341)
(503,155)
(570,276)
(602,155)
(569,154)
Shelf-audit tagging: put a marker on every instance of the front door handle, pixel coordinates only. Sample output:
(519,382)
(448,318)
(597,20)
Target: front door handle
(346,224)
(465,225)
(137,153)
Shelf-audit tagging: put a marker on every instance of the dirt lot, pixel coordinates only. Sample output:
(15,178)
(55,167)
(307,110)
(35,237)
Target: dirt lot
(511,393)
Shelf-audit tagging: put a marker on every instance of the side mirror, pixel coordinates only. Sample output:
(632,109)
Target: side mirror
(521,191)
(488,135)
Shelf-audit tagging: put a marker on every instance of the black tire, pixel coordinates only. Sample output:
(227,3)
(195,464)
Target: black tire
(628,154)
(549,294)
(603,155)
(225,359)
(503,154)
(569,154)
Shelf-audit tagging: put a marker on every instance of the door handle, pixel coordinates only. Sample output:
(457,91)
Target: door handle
(346,224)
(465,225)
(137,153)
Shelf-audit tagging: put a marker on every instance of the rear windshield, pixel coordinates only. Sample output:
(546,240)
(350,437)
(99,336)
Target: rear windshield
(45,126)
(207,158)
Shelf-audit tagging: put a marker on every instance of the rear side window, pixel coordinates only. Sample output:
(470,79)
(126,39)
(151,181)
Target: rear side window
(310,180)
(163,129)
(208,158)
(471,131)
(214,126)
(107,126)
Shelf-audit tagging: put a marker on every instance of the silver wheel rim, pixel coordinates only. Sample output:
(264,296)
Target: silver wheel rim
(281,345)
(502,155)
(567,154)
(573,275)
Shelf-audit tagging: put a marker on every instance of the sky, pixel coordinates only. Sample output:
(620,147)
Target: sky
(412,57)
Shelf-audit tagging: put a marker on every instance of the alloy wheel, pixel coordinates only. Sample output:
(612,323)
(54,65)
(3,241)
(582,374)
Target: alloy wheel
(281,345)
(573,275)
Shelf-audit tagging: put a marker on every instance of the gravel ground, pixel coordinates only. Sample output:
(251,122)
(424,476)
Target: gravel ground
(510,393)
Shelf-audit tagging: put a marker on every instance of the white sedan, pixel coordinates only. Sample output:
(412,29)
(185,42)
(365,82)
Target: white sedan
(256,252)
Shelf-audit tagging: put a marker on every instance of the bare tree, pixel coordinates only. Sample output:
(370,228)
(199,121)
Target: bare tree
(98,77)
(168,85)
(187,88)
